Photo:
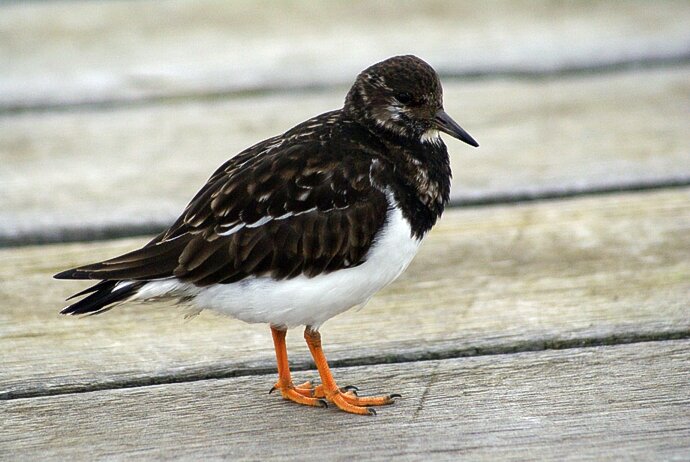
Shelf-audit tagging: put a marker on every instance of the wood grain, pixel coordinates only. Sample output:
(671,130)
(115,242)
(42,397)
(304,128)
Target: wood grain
(70,174)
(610,403)
(487,279)
(56,53)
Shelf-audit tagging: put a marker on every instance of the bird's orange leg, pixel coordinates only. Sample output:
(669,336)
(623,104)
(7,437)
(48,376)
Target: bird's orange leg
(346,400)
(284,383)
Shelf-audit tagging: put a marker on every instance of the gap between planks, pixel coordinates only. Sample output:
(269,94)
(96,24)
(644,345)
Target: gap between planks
(623,65)
(528,346)
(131,50)
(65,235)
(532,132)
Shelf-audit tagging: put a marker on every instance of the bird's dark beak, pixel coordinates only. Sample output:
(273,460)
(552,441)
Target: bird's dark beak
(447,125)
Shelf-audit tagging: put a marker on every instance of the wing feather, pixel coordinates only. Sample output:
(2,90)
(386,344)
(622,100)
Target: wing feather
(279,209)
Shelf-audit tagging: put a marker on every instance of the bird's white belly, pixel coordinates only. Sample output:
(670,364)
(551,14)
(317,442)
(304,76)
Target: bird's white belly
(303,300)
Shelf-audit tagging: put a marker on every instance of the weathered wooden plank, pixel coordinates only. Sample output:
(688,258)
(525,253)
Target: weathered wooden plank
(71,173)
(608,403)
(487,279)
(84,51)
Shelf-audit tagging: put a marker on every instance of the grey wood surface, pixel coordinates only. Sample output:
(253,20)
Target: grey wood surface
(599,269)
(75,174)
(553,330)
(55,53)
(625,402)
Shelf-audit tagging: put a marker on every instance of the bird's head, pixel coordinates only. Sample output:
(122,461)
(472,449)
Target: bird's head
(403,95)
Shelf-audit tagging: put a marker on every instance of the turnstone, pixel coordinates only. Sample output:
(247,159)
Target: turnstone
(305,225)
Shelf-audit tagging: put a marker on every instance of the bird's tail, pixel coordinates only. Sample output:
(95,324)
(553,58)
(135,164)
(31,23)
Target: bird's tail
(103,296)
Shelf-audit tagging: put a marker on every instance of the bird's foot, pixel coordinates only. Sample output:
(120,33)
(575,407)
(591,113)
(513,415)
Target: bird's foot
(345,398)
(298,395)
(307,389)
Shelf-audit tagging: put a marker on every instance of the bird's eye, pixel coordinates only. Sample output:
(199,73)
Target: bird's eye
(404,98)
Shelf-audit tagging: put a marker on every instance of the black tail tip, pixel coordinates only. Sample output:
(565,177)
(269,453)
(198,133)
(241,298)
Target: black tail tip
(101,297)
(68,274)
(74,273)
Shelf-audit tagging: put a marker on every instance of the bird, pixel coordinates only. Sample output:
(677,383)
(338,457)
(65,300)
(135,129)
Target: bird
(305,225)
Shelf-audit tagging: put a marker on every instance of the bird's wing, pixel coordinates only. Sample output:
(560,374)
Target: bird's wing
(283,209)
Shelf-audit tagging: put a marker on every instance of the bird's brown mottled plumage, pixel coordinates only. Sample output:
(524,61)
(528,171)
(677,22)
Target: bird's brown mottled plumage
(290,206)
(310,201)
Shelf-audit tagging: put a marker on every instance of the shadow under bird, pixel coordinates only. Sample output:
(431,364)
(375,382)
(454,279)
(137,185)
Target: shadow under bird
(305,225)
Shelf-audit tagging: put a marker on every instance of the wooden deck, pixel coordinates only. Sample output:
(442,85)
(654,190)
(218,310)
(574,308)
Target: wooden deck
(547,316)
